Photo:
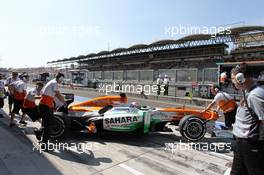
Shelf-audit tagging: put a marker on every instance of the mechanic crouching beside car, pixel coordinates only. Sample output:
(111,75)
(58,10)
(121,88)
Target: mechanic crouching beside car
(46,104)
(248,128)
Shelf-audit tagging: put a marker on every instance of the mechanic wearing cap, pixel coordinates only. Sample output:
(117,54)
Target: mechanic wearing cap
(19,89)
(10,94)
(248,128)
(224,102)
(29,105)
(46,105)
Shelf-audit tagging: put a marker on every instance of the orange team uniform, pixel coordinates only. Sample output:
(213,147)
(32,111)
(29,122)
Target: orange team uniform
(225,102)
(47,97)
(228,106)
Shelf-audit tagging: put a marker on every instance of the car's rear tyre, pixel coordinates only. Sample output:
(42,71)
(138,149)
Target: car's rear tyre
(57,128)
(192,128)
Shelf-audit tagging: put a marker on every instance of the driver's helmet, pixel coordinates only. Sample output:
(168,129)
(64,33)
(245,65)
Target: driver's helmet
(134,104)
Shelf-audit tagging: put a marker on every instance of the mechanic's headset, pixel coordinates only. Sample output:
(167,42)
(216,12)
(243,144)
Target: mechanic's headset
(24,77)
(61,78)
(216,89)
(240,77)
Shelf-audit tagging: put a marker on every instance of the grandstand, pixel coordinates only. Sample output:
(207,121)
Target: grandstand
(164,59)
(5,72)
(190,60)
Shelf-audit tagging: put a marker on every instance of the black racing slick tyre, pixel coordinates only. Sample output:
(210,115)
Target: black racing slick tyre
(192,128)
(57,128)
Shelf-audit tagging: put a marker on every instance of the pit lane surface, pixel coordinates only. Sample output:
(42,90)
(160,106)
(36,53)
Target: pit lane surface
(128,154)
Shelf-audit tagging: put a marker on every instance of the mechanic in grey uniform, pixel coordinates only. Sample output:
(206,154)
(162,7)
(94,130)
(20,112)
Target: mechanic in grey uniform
(248,128)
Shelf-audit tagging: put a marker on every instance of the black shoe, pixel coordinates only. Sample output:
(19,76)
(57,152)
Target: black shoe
(12,124)
(213,134)
(23,122)
(224,128)
(38,134)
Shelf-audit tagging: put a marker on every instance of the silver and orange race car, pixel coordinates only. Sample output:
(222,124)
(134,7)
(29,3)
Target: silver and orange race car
(114,114)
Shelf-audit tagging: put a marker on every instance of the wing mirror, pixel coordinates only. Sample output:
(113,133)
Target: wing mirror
(105,109)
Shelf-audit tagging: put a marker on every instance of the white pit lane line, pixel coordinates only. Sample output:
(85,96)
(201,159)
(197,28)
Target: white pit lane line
(228,171)
(133,171)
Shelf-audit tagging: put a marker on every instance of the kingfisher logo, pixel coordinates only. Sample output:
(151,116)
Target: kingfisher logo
(121,120)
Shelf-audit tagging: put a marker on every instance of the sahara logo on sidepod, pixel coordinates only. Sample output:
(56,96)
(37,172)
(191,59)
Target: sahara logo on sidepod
(121,120)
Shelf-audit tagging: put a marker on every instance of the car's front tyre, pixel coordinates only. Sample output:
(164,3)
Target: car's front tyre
(192,128)
(57,128)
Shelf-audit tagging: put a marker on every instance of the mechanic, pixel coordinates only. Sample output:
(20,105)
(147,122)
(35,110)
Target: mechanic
(261,78)
(46,105)
(166,82)
(224,102)
(2,92)
(10,94)
(159,83)
(248,128)
(223,79)
(29,105)
(19,89)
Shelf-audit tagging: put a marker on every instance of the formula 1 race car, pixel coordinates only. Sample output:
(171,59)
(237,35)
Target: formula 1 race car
(93,118)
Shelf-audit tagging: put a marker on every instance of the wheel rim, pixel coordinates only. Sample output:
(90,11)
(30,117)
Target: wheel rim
(56,128)
(194,129)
